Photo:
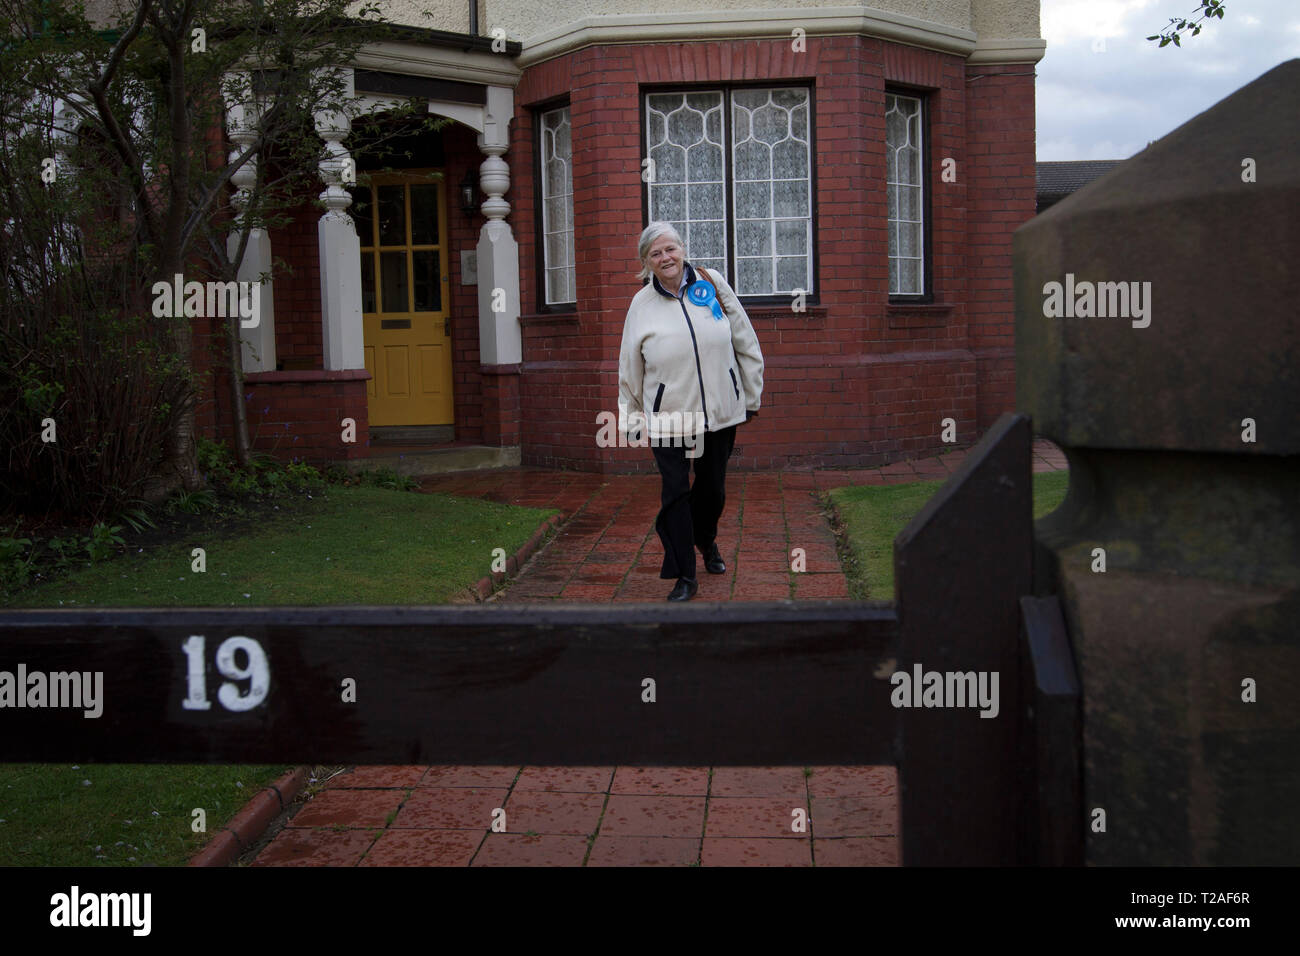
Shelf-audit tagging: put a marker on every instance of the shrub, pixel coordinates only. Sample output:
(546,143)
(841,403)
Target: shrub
(194,502)
(104,541)
(90,384)
(304,477)
(15,568)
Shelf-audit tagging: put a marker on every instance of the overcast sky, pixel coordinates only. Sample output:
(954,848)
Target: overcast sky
(1104,91)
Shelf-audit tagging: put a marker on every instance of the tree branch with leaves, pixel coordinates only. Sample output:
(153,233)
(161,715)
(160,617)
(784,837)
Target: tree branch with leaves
(1208,10)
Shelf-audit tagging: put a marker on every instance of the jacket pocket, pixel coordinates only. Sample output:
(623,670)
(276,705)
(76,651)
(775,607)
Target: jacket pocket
(734,385)
(659,396)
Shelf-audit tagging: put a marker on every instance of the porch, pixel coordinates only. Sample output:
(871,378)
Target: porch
(394,332)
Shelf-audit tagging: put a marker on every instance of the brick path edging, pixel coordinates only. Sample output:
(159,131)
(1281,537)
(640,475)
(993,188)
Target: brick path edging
(247,826)
(490,582)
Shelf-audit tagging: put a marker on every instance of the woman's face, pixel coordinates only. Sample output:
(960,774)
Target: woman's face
(666,262)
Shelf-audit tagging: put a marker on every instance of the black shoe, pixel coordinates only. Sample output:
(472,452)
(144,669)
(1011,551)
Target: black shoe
(713,562)
(685,590)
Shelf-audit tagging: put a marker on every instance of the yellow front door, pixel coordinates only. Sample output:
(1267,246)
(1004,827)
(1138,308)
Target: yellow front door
(402,223)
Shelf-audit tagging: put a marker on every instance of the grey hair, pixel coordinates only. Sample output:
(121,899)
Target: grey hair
(649,235)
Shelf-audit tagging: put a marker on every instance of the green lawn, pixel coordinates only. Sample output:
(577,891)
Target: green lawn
(873,515)
(117,814)
(344,545)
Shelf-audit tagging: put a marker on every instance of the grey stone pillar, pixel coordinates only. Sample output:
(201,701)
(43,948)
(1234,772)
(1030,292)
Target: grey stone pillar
(1158,343)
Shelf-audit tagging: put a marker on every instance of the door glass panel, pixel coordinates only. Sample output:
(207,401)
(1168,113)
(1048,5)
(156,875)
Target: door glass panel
(424,215)
(367,282)
(361,209)
(393,273)
(392,217)
(428,281)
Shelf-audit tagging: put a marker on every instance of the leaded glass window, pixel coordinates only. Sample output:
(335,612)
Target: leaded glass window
(557,207)
(773,198)
(687,181)
(904,188)
(752,222)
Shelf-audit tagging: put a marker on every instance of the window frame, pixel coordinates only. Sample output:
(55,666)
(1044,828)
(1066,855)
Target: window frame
(371,251)
(539,209)
(780,300)
(926,295)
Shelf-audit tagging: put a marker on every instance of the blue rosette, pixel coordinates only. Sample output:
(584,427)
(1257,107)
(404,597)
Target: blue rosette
(701,293)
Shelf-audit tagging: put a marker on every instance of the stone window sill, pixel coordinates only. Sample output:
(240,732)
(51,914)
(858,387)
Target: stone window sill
(919,316)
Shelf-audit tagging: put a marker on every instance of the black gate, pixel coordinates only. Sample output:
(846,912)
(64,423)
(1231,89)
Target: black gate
(699,684)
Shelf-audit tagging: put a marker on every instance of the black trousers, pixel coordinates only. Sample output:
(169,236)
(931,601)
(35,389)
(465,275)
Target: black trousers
(688,518)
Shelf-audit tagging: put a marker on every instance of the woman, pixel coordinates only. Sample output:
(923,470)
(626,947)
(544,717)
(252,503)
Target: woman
(690,370)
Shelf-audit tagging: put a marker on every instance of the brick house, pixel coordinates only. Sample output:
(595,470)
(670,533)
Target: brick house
(855,172)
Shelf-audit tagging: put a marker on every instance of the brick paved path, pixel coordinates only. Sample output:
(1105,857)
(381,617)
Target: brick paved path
(594,816)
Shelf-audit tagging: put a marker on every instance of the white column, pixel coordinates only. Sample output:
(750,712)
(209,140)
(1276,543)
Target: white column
(500,341)
(64,131)
(257,341)
(340,249)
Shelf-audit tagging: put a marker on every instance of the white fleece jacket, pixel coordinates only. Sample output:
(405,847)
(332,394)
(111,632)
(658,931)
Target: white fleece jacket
(677,359)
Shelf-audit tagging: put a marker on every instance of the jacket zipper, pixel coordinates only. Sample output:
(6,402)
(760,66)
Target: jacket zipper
(698,373)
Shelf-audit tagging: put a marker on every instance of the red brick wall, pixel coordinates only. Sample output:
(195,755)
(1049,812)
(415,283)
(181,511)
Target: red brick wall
(299,337)
(1000,109)
(853,380)
(472,405)
(501,410)
(208,356)
(299,415)
(292,415)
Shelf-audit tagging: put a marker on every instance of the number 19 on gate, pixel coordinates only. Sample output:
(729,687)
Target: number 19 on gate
(255,669)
